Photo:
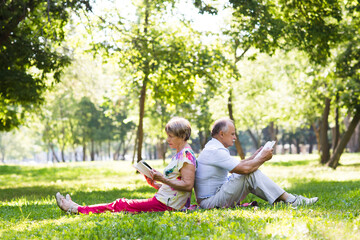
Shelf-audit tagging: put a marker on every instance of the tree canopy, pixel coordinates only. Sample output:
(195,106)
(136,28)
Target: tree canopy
(30,50)
(282,70)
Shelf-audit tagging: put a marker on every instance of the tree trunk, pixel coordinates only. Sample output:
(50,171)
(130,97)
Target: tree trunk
(297,145)
(126,147)
(202,139)
(109,149)
(62,132)
(317,135)
(334,161)
(75,155)
(357,139)
(254,139)
(324,126)
(135,147)
(311,139)
(238,146)
(272,132)
(290,143)
(63,153)
(117,152)
(2,150)
(336,129)
(140,132)
(84,152)
(354,142)
(53,152)
(143,89)
(3,156)
(92,151)
(164,145)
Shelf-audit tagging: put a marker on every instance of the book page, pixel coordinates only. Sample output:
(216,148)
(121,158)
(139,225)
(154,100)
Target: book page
(143,168)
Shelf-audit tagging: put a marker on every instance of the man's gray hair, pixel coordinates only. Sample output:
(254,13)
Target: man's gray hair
(220,125)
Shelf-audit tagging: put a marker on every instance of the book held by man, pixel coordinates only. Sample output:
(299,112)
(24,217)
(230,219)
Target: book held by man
(268,145)
(143,167)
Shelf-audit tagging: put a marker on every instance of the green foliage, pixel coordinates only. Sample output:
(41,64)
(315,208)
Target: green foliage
(347,61)
(311,26)
(28,208)
(29,38)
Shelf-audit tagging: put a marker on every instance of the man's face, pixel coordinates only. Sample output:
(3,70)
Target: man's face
(228,137)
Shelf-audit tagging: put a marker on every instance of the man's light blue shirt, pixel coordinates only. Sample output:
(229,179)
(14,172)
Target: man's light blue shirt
(214,164)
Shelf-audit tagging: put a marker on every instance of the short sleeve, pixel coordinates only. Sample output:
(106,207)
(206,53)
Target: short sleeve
(222,159)
(187,156)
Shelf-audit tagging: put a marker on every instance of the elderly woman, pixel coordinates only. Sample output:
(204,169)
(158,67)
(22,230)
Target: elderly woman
(174,186)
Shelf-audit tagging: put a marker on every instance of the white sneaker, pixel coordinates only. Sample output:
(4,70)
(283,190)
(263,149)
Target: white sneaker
(301,201)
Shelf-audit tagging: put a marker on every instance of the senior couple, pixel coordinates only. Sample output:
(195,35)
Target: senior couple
(209,174)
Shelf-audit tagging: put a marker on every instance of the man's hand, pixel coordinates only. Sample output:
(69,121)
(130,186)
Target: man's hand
(267,154)
(254,155)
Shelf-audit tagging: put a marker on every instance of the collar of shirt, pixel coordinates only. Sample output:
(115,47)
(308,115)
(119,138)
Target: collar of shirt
(215,144)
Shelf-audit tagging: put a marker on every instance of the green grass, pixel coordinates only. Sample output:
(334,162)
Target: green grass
(28,209)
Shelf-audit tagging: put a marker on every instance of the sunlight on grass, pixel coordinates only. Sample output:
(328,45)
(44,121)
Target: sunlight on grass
(28,209)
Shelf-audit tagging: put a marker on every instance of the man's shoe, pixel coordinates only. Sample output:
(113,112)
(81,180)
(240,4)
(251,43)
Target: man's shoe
(301,201)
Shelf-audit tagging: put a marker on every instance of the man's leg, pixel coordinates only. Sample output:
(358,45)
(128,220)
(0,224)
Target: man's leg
(239,186)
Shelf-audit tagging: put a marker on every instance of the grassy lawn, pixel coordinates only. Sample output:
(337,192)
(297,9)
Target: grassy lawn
(28,208)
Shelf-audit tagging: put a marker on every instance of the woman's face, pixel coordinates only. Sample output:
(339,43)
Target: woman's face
(174,141)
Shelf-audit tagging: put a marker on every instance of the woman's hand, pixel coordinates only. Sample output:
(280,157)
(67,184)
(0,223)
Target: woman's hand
(152,182)
(149,180)
(156,175)
(185,182)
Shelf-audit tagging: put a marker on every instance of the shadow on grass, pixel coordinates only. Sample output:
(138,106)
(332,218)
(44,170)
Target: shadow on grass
(10,170)
(349,165)
(37,193)
(51,173)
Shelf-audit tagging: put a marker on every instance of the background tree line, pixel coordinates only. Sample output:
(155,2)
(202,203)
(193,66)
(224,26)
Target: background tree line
(283,70)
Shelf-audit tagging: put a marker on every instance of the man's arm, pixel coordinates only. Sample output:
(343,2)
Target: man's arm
(254,155)
(252,164)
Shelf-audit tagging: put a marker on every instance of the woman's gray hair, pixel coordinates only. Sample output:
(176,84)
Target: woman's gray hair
(180,127)
(220,125)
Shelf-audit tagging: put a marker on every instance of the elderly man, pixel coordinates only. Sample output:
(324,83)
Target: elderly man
(213,186)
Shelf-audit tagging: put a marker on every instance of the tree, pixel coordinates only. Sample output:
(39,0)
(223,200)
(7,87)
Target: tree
(347,69)
(314,27)
(116,126)
(87,124)
(160,60)
(31,32)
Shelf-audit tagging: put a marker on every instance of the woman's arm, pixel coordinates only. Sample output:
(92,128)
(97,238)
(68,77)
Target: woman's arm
(152,182)
(186,183)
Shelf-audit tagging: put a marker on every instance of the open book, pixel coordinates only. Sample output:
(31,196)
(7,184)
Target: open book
(143,168)
(268,145)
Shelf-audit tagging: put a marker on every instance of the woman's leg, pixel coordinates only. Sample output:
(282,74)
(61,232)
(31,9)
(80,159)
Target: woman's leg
(127,205)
